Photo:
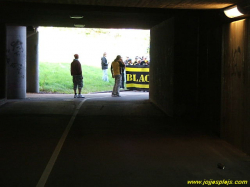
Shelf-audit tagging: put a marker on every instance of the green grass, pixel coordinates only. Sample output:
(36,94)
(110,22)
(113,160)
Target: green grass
(56,78)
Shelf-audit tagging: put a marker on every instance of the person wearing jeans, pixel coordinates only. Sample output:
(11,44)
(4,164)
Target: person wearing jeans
(116,70)
(104,64)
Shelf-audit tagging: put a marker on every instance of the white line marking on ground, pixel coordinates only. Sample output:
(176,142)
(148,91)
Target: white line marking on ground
(57,150)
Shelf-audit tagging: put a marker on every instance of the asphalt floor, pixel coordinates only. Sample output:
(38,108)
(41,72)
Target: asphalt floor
(56,140)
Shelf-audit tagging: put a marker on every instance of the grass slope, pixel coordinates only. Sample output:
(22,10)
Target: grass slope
(56,78)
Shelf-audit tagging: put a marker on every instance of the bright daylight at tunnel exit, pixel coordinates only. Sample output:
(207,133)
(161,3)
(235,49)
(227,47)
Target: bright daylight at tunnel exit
(57,46)
(103,93)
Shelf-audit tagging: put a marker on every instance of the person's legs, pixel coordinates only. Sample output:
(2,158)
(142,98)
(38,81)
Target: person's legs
(103,74)
(116,87)
(74,85)
(106,75)
(125,79)
(75,94)
(122,80)
(80,85)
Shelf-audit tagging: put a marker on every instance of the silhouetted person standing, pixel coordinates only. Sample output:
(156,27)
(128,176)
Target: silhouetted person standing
(116,70)
(104,63)
(76,72)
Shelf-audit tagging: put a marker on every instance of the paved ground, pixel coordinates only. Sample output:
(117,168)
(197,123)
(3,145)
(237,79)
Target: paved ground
(55,140)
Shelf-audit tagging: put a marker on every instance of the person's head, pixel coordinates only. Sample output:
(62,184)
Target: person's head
(105,54)
(76,56)
(118,58)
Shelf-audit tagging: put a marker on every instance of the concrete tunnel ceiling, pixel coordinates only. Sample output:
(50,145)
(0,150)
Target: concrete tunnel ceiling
(172,4)
(137,14)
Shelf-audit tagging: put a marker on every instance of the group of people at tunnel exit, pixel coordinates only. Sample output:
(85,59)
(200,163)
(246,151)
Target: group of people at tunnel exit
(117,69)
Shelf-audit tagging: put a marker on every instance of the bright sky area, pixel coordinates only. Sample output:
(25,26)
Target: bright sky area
(60,44)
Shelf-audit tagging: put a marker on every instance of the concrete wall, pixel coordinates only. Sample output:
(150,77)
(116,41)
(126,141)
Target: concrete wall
(235,124)
(32,65)
(186,66)
(174,65)
(2,63)
(162,66)
(209,78)
(246,133)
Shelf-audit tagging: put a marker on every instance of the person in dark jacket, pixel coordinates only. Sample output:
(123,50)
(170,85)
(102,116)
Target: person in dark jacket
(136,61)
(143,61)
(105,64)
(122,76)
(76,72)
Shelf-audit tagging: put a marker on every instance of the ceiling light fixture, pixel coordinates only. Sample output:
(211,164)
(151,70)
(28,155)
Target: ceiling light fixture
(233,12)
(76,17)
(79,25)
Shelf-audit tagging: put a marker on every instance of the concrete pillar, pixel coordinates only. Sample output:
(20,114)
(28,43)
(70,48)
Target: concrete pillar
(3,72)
(16,62)
(32,62)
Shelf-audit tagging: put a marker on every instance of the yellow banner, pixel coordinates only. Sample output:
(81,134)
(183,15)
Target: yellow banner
(137,77)
(137,69)
(137,85)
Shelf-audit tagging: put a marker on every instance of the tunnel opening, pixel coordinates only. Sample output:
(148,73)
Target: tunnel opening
(57,46)
(189,82)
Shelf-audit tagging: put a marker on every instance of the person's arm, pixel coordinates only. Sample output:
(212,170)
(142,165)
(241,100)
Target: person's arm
(102,61)
(80,69)
(111,69)
(71,69)
(121,64)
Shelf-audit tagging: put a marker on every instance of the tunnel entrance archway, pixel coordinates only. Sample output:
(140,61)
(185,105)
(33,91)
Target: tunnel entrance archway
(57,45)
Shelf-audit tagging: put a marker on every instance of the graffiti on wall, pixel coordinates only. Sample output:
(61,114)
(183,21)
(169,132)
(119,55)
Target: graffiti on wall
(17,66)
(236,62)
(17,47)
(15,50)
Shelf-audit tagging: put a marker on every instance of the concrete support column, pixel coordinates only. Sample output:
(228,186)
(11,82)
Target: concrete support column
(32,62)
(16,62)
(3,73)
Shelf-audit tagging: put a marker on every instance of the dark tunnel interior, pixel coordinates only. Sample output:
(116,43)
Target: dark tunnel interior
(195,115)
